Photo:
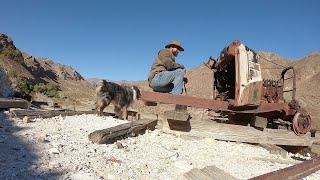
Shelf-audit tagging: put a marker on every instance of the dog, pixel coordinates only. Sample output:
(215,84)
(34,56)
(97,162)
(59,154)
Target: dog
(121,96)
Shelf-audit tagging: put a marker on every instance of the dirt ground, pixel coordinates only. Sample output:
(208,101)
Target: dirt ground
(59,148)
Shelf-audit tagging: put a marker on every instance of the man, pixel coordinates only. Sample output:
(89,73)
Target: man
(166,75)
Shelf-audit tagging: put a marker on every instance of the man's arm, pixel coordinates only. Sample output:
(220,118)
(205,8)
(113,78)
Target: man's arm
(168,61)
(172,65)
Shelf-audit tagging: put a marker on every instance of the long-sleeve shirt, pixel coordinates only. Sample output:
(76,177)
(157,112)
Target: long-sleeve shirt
(164,61)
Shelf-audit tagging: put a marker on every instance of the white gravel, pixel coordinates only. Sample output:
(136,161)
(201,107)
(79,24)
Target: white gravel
(59,148)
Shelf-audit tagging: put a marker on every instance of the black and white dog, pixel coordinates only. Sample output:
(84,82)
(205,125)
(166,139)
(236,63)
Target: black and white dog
(121,96)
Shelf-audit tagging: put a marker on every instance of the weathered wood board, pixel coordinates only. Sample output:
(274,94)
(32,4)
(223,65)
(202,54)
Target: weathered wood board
(107,135)
(31,114)
(238,133)
(13,103)
(208,173)
(20,113)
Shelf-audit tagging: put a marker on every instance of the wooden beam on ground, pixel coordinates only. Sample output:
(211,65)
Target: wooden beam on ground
(13,103)
(238,133)
(184,100)
(31,114)
(104,136)
(208,173)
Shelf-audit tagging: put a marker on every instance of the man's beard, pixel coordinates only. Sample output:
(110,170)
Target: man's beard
(175,53)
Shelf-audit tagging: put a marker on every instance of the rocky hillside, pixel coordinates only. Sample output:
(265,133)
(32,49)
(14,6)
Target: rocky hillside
(42,70)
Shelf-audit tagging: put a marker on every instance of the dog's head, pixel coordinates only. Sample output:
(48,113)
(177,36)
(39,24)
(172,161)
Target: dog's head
(101,86)
(102,82)
(137,90)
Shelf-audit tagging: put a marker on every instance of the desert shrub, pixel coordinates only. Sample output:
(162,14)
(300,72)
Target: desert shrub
(12,74)
(49,89)
(11,53)
(52,90)
(24,85)
(39,88)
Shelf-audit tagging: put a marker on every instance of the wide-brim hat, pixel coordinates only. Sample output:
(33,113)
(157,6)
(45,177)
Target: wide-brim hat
(175,43)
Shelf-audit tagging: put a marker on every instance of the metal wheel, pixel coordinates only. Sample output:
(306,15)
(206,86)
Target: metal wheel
(301,123)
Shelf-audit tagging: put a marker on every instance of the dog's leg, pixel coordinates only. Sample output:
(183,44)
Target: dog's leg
(101,105)
(96,109)
(101,109)
(118,111)
(125,112)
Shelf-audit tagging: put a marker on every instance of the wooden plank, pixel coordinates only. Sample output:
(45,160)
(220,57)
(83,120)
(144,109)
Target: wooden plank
(104,136)
(213,171)
(13,103)
(20,113)
(228,132)
(208,173)
(196,174)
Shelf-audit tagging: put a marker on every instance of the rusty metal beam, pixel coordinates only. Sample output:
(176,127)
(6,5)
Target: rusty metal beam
(268,107)
(210,103)
(184,100)
(297,171)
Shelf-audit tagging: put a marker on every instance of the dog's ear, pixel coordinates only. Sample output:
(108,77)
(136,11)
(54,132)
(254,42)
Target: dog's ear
(137,91)
(103,82)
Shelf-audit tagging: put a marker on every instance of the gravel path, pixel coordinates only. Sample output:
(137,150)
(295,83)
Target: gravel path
(59,148)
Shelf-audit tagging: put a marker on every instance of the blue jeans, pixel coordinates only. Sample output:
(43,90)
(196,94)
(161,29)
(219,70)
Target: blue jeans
(168,82)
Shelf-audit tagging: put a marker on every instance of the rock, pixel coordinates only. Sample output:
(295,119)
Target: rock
(26,119)
(81,176)
(5,88)
(16,147)
(111,176)
(55,165)
(183,165)
(3,138)
(119,145)
(54,151)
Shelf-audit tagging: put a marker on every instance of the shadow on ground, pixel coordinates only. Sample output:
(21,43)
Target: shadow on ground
(18,159)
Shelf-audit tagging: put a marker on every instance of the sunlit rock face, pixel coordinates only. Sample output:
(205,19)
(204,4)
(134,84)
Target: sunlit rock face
(5,88)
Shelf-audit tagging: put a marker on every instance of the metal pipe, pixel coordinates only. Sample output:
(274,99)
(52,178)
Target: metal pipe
(294,81)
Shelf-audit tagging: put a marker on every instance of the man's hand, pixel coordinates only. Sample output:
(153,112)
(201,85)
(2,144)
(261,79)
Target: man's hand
(185,80)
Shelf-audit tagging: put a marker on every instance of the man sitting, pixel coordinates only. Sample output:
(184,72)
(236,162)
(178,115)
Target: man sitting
(166,75)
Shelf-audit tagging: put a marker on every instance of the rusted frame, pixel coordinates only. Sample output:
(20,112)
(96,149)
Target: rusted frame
(215,105)
(184,100)
(297,171)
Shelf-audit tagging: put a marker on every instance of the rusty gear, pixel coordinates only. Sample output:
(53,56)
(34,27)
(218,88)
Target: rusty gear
(301,123)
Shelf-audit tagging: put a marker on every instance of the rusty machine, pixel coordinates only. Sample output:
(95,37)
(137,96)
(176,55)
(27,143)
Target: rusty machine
(243,96)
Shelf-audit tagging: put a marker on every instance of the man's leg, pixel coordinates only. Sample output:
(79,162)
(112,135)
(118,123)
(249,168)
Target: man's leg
(168,81)
(178,83)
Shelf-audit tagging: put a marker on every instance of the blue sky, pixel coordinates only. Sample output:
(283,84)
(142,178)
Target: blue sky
(119,39)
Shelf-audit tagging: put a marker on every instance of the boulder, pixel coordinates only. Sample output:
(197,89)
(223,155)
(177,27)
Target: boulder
(5,85)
